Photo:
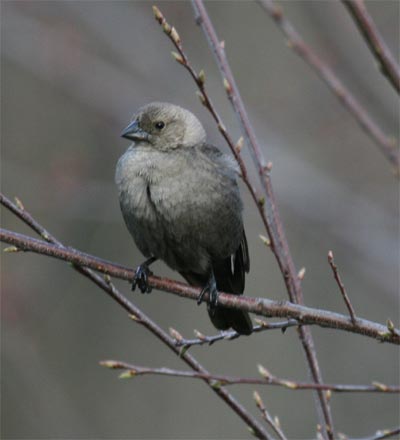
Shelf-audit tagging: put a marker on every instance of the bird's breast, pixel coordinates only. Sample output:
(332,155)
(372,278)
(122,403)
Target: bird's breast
(177,209)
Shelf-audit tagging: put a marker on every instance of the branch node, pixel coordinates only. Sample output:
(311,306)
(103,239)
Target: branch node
(157,14)
(199,335)
(183,350)
(301,274)
(252,432)
(239,145)
(11,249)
(128,374)
(390,326)
(175,36)
(19,204)
(227,87)
(266,241)
(200,95)
(380,386)
(328,395)
(109,364)
(178,57)
(267,168)
(175,334)
(264,372)
(134,318)
(201,77)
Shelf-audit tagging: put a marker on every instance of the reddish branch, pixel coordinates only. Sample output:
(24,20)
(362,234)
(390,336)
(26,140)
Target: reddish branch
(268,379)
(381,52)
(259,306)
(136,313)
(386,144)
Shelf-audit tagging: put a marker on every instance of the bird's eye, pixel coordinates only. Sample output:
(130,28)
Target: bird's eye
(159,125)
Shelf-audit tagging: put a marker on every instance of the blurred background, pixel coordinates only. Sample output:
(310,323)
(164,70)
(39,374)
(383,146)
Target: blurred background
(72,75)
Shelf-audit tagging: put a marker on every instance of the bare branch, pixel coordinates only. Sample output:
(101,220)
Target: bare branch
(230,335)
(136,370)
(274,424)
(386,144)
(141,318)
(379,435)
(374,40)
(260,306)
(341,288)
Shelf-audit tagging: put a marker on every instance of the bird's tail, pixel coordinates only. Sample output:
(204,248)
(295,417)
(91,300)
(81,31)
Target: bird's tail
(224,318)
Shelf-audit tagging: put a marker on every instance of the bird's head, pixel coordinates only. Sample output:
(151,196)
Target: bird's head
(165,127)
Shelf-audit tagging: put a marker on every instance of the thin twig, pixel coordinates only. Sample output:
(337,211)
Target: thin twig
(386,144)
(274,225)
(230,335)
(374,40)
(140,317)
(267,379)
(259,306)
(341,288)
(274,424)
(379,435)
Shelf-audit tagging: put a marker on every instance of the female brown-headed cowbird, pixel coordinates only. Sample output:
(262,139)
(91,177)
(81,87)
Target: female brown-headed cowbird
(180,201)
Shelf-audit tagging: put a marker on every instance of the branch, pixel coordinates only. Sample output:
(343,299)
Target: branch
(386,144)
(260,306)
(268,379)
(374,40)
(379,435)
(341,287)
(231,334)
(274,423)
(139,316)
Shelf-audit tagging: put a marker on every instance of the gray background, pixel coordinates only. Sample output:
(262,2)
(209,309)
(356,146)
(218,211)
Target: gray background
(72,74)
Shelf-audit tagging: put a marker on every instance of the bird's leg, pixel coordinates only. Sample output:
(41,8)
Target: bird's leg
(211,288)
(141,276)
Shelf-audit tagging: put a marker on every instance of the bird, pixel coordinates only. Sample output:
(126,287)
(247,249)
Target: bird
(180,201)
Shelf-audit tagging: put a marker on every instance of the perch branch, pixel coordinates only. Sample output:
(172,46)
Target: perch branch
(259,306)
(386,144)
(268,379)
(374,40)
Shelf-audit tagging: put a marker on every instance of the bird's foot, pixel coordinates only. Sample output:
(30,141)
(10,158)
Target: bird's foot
(211,288)
(141,276)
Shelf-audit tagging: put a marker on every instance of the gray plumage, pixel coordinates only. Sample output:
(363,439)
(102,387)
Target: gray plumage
(180,201)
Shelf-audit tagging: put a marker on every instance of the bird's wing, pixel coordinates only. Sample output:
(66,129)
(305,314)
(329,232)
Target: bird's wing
(227,162)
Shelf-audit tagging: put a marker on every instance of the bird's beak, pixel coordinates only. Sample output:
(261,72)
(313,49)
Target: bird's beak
(133,132)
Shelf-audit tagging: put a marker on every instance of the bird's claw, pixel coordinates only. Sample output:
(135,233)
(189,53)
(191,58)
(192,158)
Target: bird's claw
(141,279)
(214,298)
(211,288)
